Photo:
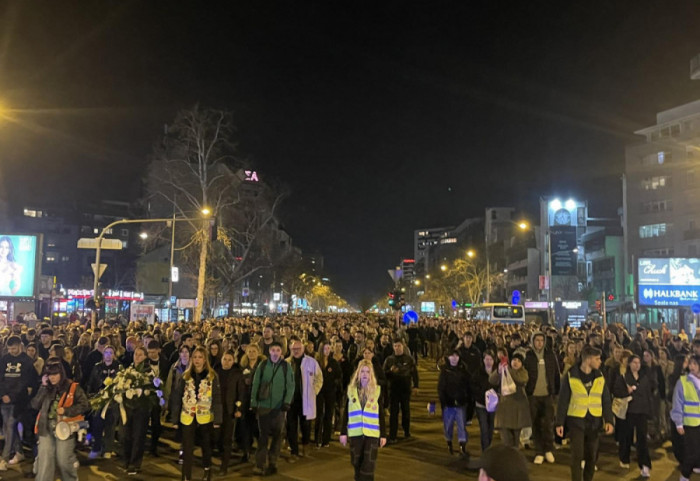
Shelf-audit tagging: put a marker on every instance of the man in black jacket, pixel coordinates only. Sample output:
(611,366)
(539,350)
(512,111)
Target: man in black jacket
(400,371)
(585,417)
(543,384)
(453,391)
(471,357)
(18,379)
(158,365)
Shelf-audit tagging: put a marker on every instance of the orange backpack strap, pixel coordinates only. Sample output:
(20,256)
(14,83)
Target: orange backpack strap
(67,398)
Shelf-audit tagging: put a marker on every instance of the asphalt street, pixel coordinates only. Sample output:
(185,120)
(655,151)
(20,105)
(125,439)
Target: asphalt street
(422,457)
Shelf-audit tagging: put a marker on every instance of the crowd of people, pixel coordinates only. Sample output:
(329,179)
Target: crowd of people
(254,384)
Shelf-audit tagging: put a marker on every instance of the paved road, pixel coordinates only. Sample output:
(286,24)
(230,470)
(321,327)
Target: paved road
(421,458)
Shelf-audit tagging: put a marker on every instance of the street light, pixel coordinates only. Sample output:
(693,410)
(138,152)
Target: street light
(443,268)
(417,282)
(470,253)
(143,235)
(206,211)
(108,228)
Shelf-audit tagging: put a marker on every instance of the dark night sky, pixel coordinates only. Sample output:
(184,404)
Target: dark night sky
(381,117)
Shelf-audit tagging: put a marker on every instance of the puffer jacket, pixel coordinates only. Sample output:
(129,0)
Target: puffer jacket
(453,385)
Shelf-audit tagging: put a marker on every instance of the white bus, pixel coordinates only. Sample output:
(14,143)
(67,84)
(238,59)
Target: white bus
(503,313)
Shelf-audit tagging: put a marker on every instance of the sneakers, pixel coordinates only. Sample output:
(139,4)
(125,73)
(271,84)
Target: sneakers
(94,455)
(539,459)
(107,455)
(17,458)
(549,457)
(624,465)
(683,478)
(645,472)
(3,465)
(696,470)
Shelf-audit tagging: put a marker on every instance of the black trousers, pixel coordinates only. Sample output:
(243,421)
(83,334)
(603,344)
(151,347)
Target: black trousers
(635,422)
(325,406)
(135,437)
(247,427)
(542,416)
(205,434)
(224,438)
(691,458)
(156,427)
(296,420)
(400,399)
(363,456)
(678,443)
(486,426)
(103,429)
(270,425)
(584,447)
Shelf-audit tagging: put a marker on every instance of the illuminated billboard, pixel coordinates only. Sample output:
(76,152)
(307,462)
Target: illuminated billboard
(18,265)
(669,282)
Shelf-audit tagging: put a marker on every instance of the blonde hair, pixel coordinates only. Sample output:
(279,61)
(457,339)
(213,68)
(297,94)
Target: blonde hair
(187,375)
(370,388)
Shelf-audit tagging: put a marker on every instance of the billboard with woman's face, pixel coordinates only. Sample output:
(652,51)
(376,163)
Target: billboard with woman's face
(18,257)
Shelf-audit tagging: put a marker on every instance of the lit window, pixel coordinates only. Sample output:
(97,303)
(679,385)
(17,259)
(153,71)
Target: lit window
(29,213)
(65,259)
(653,230)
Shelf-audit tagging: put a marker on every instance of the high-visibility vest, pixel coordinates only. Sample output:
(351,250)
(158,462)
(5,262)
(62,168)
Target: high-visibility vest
(202,408)
(363,421)
(691,403)
(66,401)
(582,402)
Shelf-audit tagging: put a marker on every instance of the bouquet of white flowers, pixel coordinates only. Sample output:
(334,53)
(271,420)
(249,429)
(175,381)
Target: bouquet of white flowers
(129,389)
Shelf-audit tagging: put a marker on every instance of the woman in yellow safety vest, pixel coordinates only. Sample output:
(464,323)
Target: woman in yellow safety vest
(197,405)
(363,424)
(686,415)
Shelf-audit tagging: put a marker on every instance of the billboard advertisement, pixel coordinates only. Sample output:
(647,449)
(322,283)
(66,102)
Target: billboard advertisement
(573,313)
(669,282)
(18,265)
(563,243)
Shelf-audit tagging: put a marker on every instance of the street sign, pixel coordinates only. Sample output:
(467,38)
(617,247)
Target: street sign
(245,292)
(515,298)
(175,274)
(395,274)
(107,244)
(101,271)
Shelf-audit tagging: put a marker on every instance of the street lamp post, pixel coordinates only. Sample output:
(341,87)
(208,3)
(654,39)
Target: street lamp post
(98,249)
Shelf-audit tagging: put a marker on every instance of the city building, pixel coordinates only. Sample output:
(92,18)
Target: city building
(522,261)
(423,241)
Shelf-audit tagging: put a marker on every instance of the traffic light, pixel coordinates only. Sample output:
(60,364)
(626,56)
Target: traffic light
(392,299)
(611,297)
(598,306)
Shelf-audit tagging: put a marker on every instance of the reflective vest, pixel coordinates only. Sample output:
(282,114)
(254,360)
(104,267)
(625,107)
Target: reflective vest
(691,403)
(197,404)
(66,401)
(582,401)
(363,421)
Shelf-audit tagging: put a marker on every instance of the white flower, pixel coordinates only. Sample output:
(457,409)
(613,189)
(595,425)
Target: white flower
(246,371)
(120,384)
(139,391)
(130,393)
(118,398)
(147,392)
(105,395)
(128,383)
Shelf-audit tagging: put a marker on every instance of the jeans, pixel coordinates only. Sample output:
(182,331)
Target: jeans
(450,416)
(9,430)
(634,422)
(270,425)
(486,426)
(542,415)
(54,452)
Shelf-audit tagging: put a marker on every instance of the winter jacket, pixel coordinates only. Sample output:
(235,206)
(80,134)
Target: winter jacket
(643,400)
(46,396)
(551,364)
(228,382)
(244,388)
(98,375)
(479,384)
(17,377)
(513,410)
(405,372)
(311,384)
(453,385)
(471,357)
(281,386)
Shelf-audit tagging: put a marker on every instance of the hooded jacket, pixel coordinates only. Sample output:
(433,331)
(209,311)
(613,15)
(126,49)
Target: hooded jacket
(551,364)
(453,385)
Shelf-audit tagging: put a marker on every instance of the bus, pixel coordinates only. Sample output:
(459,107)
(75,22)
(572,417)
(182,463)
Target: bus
(503,313)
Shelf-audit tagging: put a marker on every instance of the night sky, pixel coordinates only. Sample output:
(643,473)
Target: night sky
(380,117)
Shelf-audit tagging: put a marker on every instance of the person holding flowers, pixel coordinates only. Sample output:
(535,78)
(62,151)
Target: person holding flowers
(197,405)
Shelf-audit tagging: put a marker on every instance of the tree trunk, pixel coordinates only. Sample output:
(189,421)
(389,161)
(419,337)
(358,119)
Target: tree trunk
(202,271)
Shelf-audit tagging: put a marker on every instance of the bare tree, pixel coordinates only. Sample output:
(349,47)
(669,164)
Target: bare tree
(190,171)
